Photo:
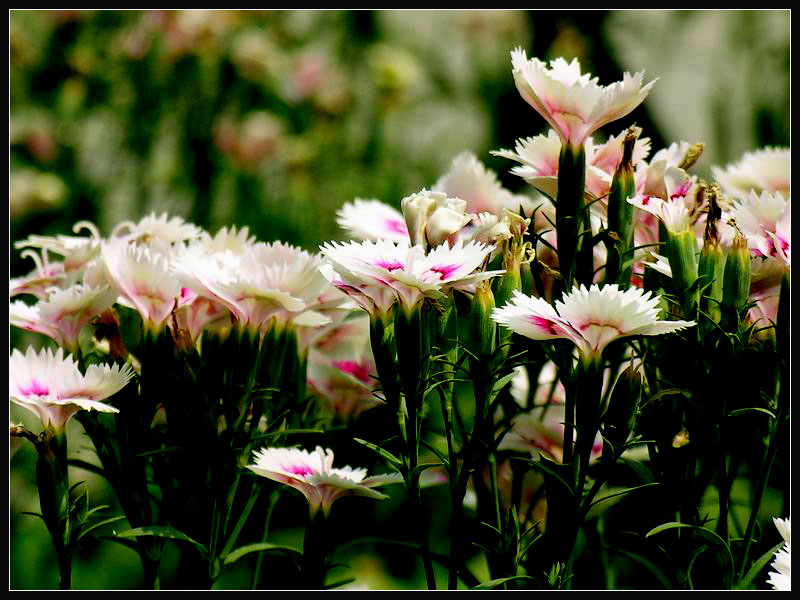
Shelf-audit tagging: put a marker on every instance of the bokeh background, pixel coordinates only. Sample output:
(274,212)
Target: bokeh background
(274,119)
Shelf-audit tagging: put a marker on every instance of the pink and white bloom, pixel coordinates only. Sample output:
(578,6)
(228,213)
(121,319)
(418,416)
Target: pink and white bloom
(671,210)
(766,221)
(470,180)
(766,170)
(781,578)
(541,431)
(591,318)
(142,275)
(574,104)
(162,227)
(538,157)
(51,385)
(76,251)
(265,281)
(313,475)
(434,217)
(372,220)
(407,271)
(64,313)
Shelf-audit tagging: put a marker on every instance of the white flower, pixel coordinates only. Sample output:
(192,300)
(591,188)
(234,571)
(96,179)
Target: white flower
(407,271)
(265,281)
(478,186)
(573,103)
(766,221)
(51,385)
(64,313)
(670,210)
(765,170)
(538,157)
(592,318)
(142,275)
(313,474)
(433,217)
(372,220)
(541,430)
(170,230)
(781,578)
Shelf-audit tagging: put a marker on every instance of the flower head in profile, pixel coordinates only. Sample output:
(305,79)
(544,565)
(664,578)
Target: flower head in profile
(590,317)
(541,431)
(574,104)
(479,187)
(162,227)
(64,313)
(313,474)
(781,578)
(766,170)
(372,220)
(407,271)
(51,385)
(766,221)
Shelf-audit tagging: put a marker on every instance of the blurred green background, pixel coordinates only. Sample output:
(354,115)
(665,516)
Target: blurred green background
(274,119)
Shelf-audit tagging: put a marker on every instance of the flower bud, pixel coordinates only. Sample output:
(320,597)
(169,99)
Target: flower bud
(620,214)
(711,266)
(681,251)
(620,415)
(432,217)
(482,328)
(736,282)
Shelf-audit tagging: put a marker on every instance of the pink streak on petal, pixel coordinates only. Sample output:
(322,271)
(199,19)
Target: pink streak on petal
(681,190)
(395,226)
(445,271)
(35,389)
(390,265)
(302,470)
(545,325)
(360,372)
(645,200)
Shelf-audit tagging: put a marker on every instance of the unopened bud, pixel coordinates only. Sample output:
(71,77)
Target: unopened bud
(692,155)
(711,267)
(482,328)
(736,281)
(620,416)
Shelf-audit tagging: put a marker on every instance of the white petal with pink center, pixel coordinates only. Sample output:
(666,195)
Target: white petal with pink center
(574,104)
(372,220)
(765,220)
(51,385)
(313,474)
(672,211)
(408,271)
(470,180)
(766,170)
(142,275)
(590,317)
(64,313)
(162,227)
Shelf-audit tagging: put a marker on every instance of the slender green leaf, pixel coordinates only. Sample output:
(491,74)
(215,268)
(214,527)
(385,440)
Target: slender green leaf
(388,456)
(164,532)
(241,551)
(739,411)
(490,585)
(758,565)
(87,530)
(626,491)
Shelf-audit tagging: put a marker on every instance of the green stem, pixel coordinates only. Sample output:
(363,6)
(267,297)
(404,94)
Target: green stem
(273,499)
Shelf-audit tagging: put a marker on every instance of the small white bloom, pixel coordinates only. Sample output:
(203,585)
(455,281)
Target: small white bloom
(372,220)
(574,104)
(433,217)
(592,318)
(765,170)
(766,221)
(51,385)
(781,578)
(313,474)
(169,230)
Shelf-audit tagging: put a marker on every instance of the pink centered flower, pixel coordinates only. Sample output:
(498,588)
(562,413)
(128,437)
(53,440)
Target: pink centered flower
(407,272)
(766,222)
(51,385)
(313,475)
(372,220)
(573,103)
(592,318)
